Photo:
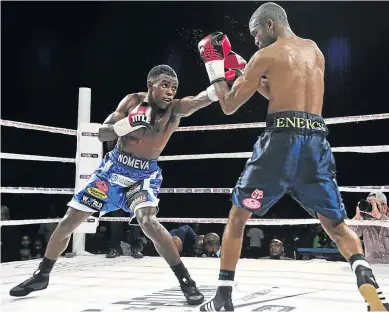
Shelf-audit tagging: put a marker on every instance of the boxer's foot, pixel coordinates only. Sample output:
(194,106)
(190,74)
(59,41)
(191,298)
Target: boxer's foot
(192,294)
(370,290)
(221,300)
(38,281)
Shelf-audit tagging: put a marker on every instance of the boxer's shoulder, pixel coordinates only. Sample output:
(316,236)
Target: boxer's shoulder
(130,101)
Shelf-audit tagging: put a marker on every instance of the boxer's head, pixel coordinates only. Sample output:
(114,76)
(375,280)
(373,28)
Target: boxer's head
(266,24)
(162,83)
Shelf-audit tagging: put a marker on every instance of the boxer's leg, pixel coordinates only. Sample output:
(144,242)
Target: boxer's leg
(261,185)
(94,197)
(59,240)
(163,242)
(233,238)
(317,191)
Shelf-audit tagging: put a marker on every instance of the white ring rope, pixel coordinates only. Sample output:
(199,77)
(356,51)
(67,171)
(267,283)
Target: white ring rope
(36,157)
(28,126)
(46,190)
(210,220)
(336,120)
(352,149)
(329,121)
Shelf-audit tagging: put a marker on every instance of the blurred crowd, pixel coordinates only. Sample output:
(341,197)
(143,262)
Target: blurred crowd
(115,239)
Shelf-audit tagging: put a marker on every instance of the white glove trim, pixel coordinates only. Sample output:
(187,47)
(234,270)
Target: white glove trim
(215,69)
(123,127)
(211,93)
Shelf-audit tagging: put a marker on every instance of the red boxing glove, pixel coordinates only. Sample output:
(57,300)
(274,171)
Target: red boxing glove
(213,50)
(142,116)
(234,61)
(232,75)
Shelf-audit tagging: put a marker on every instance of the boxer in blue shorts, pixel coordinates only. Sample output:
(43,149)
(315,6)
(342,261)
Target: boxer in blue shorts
(129,177)
(292,156)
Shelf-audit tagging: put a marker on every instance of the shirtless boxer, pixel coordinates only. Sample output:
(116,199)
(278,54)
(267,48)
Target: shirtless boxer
(292,155)
(129,178)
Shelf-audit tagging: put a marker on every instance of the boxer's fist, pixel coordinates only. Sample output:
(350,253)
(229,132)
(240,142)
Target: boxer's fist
(232,75)
(234,61)
(142,116)
(213,50)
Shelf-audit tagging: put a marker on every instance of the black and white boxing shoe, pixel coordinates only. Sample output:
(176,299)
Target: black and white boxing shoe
(221,302)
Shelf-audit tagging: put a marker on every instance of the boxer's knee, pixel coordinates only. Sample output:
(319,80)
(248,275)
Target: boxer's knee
(237,220)
(239,216)
(336,229)
(147,220)
(72,219)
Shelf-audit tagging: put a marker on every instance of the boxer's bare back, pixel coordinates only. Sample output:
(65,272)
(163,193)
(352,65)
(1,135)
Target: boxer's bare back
(296,76)
(289,73)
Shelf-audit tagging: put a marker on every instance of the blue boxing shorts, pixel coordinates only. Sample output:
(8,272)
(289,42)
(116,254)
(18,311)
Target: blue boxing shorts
(292,156)
(122,181)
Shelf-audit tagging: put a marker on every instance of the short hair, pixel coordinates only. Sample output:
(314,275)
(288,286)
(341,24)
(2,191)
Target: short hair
(269,10)
(161,70)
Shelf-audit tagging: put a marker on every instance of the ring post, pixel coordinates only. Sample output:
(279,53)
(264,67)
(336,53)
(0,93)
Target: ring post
(84,111)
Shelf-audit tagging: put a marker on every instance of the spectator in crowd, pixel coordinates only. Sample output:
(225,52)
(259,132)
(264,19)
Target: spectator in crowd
(136,240)
(212,246)
(46,229)
(276,250)
(10,238)
(25,251)
(199,246)
(255,244)
(184,238)
(116,234)
(375,238)
(37,250)
(97,243)
(322,240)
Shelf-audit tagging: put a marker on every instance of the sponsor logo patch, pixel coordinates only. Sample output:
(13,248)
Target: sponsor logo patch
(92,202)
(138,198)
(95,192)
(102,186)
(251,203)
(136,187)
(257,194)
(121,180)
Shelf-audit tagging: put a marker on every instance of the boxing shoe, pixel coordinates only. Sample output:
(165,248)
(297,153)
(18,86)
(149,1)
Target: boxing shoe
(221,300)
(113,253)
(192,294)
(370,290)
(38,281)
(136,254)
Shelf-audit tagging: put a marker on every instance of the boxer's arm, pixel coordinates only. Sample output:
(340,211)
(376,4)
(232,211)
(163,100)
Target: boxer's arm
(190,104)
(245,86)
(263,88)
(106,131)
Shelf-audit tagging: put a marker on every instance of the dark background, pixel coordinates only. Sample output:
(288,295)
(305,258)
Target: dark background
(49,50)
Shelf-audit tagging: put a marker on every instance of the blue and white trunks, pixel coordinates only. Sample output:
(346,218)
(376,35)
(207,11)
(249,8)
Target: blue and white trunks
(122,181)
